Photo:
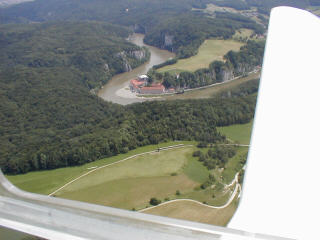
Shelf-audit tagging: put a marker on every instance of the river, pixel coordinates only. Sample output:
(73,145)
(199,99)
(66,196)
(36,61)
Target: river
(117,89)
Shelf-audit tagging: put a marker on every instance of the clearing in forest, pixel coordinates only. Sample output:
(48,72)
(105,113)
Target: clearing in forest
(239,133)
(209,51)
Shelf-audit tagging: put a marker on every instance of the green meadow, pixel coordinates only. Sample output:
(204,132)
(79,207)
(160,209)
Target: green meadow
(209,51)
(238,133)
(131,184)
(45,182)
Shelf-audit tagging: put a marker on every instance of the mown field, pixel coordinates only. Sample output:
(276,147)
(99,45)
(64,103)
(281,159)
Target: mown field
(195,212)
(209,51)
(45,182)
(132,183)
(239,133)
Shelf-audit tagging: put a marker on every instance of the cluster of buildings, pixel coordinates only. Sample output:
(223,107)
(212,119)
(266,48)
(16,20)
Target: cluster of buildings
(140,85)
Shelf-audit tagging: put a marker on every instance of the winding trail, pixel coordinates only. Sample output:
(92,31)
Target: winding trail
(125,159)
(234,194)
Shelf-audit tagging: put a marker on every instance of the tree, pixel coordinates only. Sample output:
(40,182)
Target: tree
(154,201)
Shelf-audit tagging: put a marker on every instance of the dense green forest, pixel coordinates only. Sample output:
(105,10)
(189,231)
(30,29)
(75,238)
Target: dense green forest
(48,126)
(94,51)
(236,64)
(167,24)
(49,118)
(170,24)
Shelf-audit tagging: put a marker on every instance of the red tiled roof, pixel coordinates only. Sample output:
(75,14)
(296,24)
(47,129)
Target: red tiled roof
(136,83)
(159,87)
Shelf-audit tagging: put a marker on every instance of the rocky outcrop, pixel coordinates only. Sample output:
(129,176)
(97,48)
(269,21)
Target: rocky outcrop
(131,59)
(227,74)
(138,54)
(126,65)
(243,69)
(168,40)
(106,67)
(137,28)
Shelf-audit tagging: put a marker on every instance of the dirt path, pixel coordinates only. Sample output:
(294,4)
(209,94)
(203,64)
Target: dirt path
(234,194)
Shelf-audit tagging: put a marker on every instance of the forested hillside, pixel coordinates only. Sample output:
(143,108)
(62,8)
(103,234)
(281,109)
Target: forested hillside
(168,24)
(94,51)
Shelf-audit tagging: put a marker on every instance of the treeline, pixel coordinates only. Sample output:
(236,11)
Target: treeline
(216,156)
(53,128)
(243,89)
(236,64)
(97,51)
(168,62)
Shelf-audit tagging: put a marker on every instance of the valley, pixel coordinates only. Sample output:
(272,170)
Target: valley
(70,127)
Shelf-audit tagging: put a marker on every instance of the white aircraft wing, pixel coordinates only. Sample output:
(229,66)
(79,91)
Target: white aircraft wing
(281,186)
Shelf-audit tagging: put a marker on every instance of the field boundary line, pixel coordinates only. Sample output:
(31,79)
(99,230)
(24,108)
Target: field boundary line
(125,159)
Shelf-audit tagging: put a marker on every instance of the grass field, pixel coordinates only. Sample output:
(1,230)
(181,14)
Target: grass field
(212,91)
(243,33)
(233,166)
(210,50)
(132,183)
(240,133)
(195,212)
(45,182)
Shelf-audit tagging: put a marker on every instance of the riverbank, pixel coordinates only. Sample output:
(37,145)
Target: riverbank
(117,91)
